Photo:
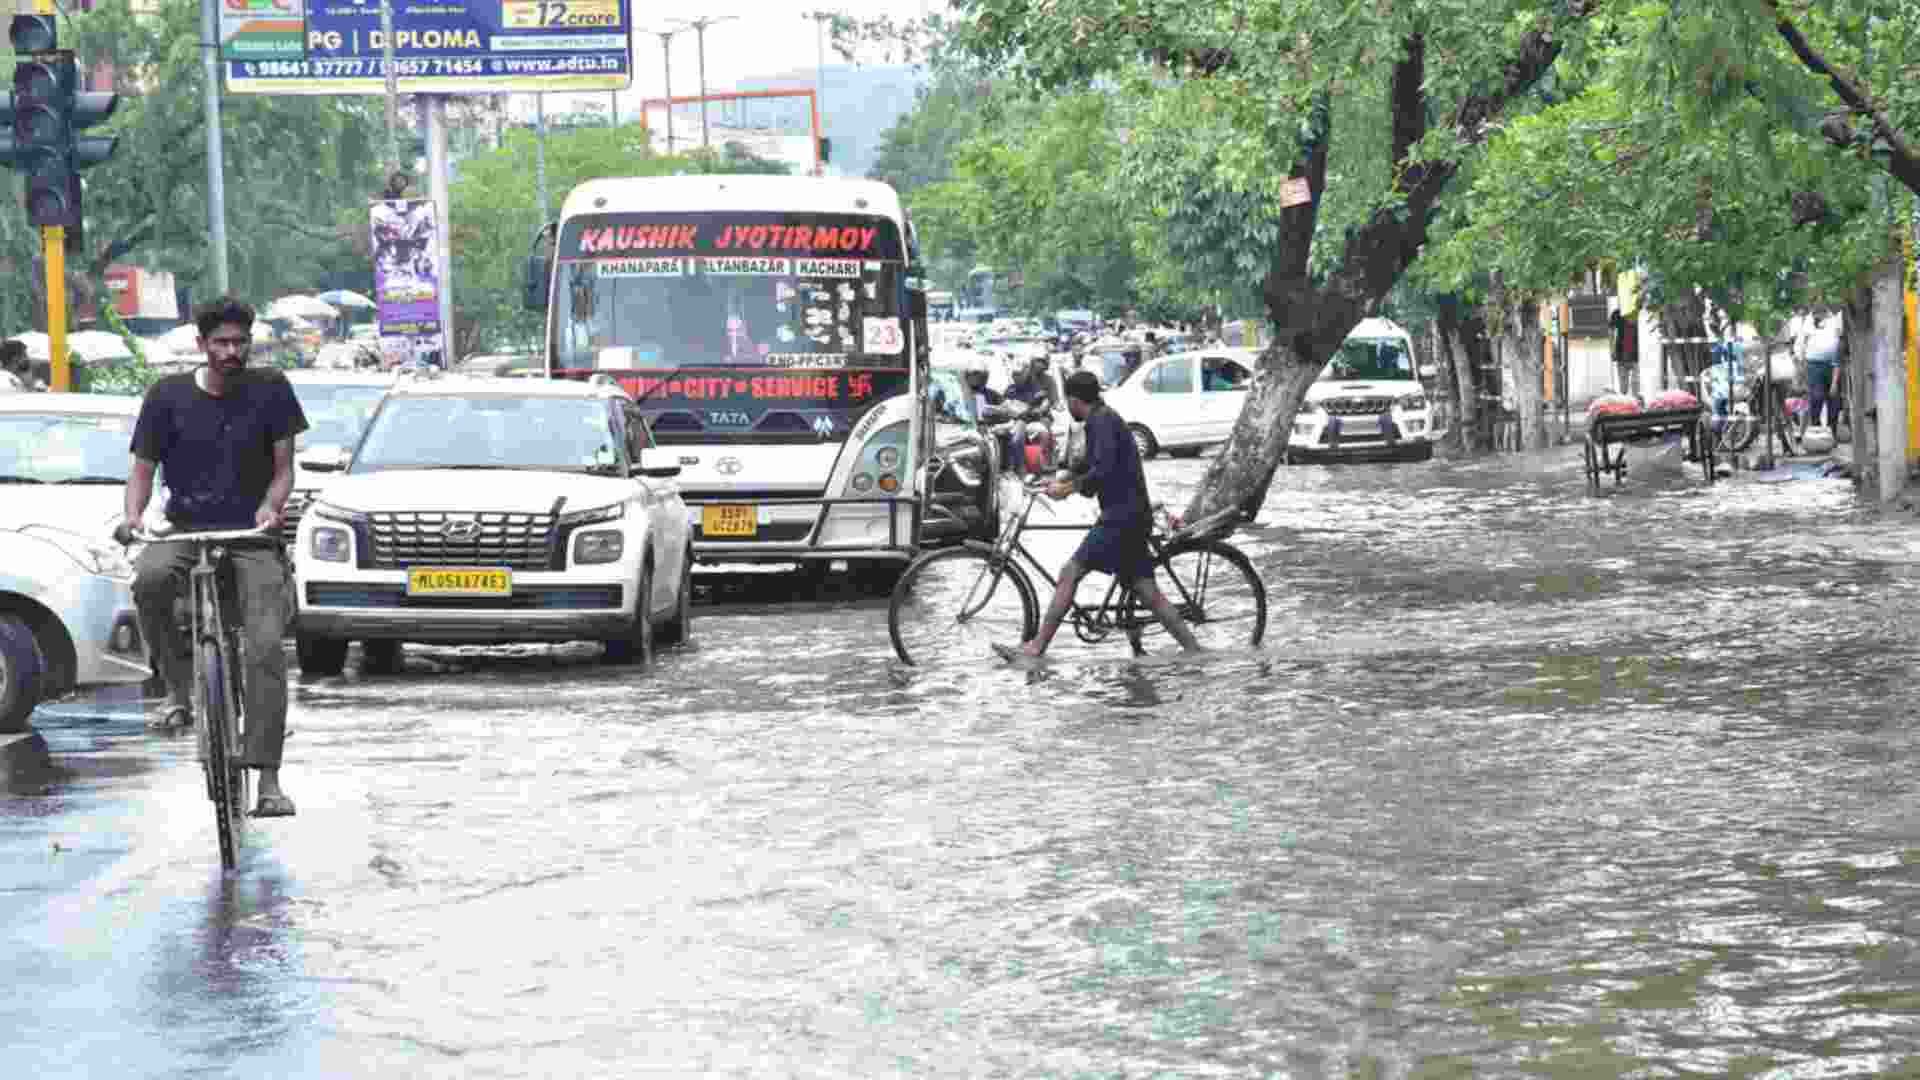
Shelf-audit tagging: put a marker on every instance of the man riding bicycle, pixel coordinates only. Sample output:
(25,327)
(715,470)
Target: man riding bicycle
(1117,543)
(222,438)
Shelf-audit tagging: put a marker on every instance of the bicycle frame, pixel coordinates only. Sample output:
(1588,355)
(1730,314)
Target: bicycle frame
(1091,624)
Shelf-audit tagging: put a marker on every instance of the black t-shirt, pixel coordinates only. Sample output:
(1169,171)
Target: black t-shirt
(1113,471)
(216,453)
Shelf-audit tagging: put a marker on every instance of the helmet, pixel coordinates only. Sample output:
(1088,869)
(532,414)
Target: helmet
(976,365)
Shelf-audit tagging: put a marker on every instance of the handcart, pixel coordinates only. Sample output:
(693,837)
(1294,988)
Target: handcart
(1609,436)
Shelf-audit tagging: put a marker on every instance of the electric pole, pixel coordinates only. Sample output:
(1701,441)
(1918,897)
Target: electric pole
(700,35)
(666,56)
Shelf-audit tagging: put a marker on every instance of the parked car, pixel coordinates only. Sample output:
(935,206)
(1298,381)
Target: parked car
(482,511)
(965,501)
(1185,402)
(1368,401)
(337,405)
(66,604)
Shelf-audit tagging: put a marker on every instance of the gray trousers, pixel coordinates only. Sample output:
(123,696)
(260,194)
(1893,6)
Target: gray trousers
(260,578)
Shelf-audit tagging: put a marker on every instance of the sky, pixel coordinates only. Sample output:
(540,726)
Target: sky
(767,37)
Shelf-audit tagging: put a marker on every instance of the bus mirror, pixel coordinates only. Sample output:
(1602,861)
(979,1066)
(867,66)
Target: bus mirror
(537,274)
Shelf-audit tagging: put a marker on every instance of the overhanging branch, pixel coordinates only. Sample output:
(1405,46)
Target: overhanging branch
(1902,161)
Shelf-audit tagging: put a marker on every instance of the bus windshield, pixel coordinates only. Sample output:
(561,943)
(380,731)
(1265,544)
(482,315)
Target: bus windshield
(736,326)
(676,291)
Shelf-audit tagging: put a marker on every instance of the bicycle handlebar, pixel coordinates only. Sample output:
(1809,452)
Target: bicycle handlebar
(202,536)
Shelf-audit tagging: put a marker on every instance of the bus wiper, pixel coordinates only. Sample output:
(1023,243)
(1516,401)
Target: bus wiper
(8,478)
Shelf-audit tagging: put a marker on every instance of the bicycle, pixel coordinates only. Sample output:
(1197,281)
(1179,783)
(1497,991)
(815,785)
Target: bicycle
(951,602)
(218,700)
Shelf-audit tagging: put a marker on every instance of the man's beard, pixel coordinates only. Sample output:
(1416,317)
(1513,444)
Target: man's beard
(232,364)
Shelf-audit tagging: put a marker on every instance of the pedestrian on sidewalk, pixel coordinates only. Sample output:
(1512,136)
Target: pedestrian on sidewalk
(1816,344)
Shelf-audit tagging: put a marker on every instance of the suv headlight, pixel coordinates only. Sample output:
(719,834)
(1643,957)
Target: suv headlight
(599,546)
(1412,403)
(1310,408)
(611,512)
(330,543)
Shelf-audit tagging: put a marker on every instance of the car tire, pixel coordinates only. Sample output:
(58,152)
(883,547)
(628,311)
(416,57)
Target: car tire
(1422,452)
(21,672)
(320,655)
(1144,441)
(381,656)
(637,647)
(679,629)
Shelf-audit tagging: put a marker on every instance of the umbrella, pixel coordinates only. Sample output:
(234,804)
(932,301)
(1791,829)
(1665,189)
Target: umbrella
(90,345)
(345,298)
(94,345)
(311,307)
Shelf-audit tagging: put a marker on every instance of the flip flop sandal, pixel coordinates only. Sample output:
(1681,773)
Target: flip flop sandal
(176,718)
(273,806)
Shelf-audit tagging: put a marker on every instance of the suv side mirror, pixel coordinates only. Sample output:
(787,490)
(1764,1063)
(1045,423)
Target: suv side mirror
(1428,371)
(538,271)
(657,463)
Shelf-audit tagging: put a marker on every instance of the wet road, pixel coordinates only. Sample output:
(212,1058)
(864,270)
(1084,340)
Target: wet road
(1523,782)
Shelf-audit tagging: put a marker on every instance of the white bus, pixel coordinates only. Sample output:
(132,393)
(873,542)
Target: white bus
(770,332)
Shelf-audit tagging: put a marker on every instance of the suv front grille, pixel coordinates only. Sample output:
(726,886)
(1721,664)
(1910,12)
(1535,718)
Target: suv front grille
(1357,406)
(290,516)
(518,541)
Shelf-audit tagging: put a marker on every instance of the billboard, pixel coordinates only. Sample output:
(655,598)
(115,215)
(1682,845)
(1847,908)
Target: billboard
(406,269)
(445,47)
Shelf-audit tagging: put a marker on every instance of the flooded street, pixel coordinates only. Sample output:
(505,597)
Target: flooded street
(1522,782)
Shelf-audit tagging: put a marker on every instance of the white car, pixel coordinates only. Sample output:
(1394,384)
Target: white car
(481,511)
(337,405)
(66,605)
(1367,402)
(1185,402)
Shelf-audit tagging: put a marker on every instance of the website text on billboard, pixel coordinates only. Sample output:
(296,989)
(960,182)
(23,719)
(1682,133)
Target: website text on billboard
(453,46)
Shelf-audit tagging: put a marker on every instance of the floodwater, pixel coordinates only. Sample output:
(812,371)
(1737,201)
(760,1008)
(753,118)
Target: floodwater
(1522,782)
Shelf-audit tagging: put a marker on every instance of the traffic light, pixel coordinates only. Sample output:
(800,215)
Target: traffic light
(46,112)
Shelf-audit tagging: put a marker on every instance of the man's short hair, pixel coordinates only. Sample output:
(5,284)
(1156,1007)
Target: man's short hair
(13,357)
(220,311)
(1084,385)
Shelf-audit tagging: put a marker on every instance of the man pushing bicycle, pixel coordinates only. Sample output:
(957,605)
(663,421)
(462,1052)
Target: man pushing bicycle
(222,437)
(1117,543)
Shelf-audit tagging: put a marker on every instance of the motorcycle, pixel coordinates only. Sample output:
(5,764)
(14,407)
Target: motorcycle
(1026,435)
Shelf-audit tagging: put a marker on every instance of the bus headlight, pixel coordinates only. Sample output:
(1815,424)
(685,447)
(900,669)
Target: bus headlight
(882,461)
(862,482)
(887,457)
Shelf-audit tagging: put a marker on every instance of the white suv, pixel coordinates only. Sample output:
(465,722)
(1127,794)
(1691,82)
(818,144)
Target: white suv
(481,511)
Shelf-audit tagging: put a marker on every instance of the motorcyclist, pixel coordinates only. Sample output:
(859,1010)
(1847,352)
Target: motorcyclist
(1034,392)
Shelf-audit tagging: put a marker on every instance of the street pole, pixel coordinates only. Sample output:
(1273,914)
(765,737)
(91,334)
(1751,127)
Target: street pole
(393,87)
(666,56)
(443,219)
(53,258)
(819,83)
(540,152)
(216,173)
(699,26)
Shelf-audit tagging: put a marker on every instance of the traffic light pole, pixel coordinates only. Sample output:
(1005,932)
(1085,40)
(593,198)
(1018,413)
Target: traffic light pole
(216,174)
(54,245)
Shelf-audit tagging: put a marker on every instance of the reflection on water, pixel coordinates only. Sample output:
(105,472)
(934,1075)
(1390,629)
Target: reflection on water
(1522,782)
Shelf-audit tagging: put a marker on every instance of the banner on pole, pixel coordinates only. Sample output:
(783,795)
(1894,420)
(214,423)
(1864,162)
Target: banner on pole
(447,47)
(406,272)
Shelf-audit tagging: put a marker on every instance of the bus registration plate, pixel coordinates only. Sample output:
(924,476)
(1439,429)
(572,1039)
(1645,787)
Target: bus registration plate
(459,581)
(728,520)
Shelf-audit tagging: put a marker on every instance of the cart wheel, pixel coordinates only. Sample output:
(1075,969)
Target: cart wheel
(1592,468)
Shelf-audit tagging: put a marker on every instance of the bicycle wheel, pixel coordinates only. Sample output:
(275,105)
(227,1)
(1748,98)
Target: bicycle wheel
(1739,432)
(957,604)
(226,782)
(1214,588)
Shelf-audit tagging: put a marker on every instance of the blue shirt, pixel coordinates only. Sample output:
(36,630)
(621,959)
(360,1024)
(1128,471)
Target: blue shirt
(1113,472)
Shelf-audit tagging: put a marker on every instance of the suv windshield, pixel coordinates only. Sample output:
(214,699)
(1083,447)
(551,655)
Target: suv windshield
(49,448)
(1369,358)
(491,431)
(336,413)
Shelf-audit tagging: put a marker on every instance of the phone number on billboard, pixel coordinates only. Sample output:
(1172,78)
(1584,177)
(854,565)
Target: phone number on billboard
(337,68)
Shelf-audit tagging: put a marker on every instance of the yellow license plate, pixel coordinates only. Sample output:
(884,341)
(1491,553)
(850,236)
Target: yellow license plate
(729,520)
(459,581)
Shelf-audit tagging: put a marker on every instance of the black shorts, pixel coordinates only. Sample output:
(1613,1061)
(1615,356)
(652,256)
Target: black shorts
(1117,549)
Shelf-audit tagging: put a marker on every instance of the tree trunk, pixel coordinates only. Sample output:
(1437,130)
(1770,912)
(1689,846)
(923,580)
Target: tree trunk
(1245,466)
(1889,380)
(1860,403)
(1522,360)
(1457,365)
